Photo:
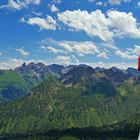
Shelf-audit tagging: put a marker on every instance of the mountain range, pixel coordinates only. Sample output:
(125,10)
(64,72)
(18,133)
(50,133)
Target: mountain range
(36,98)
(18,82)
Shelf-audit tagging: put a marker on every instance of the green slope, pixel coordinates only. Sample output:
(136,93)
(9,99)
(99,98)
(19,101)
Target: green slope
(12,85)
(52,105)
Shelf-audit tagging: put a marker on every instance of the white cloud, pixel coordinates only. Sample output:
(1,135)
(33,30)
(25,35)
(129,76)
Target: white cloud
(126,55)
(48,23)
(54,50)
(66,46)
(22,52)
(95,24)
(63,59)
(11,64)
(0,53)
(83,48)
(79,47)
(19,4)
(109,46)
(100,50)
(130,53)
(16,62)
(103,55)
(123,24)
(53,8)
(37,13)
(104,26)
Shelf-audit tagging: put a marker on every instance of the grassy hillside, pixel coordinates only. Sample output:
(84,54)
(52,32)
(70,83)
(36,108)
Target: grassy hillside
(12,85)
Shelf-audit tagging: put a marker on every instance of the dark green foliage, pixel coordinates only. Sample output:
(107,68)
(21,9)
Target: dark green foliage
(76,134)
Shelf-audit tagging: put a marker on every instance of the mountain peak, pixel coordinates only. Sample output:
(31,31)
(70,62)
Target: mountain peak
(115,69)
(24,64)
(31,63)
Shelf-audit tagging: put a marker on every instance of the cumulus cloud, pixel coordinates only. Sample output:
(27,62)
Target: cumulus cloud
(53,8)
(19,4)
(43,23)
(22,52)
(94,23)
(104,26)
(123,24)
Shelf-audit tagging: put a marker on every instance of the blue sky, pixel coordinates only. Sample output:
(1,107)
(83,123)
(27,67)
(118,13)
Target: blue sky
(102,33)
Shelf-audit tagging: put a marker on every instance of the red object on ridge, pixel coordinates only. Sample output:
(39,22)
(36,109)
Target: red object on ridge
(139,63)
